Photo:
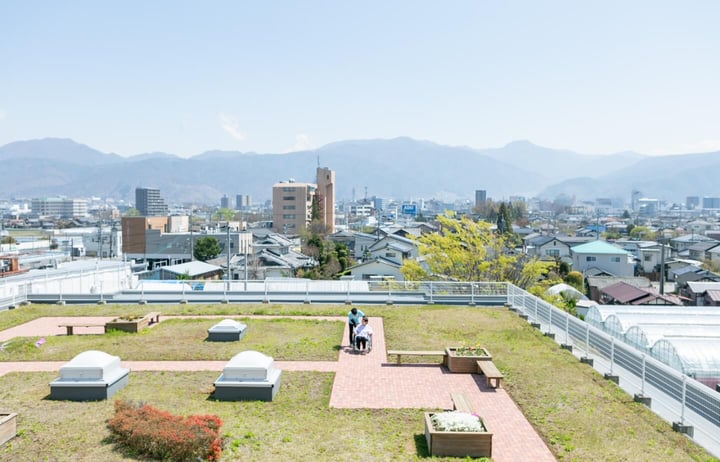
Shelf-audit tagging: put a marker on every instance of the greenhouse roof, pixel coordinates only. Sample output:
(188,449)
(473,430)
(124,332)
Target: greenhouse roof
(645,335)
(600,313)
(700,356)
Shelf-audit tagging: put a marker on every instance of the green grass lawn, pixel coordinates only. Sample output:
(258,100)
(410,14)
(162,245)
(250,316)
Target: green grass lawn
(186,339)
(581,416)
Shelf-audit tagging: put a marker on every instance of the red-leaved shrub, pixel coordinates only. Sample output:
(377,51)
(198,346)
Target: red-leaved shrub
(158,434)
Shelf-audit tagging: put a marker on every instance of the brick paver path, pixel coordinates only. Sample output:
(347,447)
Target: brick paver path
(363,380)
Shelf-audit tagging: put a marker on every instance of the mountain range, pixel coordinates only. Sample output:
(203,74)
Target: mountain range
(402,168)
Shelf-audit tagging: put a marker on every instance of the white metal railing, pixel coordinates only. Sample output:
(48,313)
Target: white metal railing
(688,404)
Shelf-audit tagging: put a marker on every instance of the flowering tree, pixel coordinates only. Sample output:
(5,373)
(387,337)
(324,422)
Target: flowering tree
(465,250)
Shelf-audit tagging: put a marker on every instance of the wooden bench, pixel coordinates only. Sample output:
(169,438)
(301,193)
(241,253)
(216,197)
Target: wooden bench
(70,327)
(401,353)
(153,318)
(488,369)
(460,403)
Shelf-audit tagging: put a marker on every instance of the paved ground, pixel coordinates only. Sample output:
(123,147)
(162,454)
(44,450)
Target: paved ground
(362,380)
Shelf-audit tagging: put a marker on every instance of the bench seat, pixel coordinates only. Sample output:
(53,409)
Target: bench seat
(460,403)
(401,353)
(70,326)
(488,369)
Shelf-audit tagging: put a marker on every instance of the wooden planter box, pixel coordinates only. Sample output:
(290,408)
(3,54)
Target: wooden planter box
(457,444)
(134,326)
(464,364)
(8,427)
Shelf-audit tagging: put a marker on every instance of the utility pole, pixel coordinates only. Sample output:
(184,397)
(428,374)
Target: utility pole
(662,267)
(192,242)
(227,249)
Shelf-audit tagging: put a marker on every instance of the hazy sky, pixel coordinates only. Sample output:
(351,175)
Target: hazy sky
(272,76)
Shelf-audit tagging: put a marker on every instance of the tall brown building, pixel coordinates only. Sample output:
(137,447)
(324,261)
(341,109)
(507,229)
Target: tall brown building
(326,197)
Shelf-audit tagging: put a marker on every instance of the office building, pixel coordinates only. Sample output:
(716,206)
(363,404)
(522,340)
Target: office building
(243,202)
(149,203)
(480,197)
(692,202)
(292,206)
(225,202)
(59,207)
(711,202)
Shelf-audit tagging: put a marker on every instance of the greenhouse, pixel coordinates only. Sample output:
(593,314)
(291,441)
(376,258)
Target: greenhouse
(643,336)
(599,314)
(685,338)
(698,357)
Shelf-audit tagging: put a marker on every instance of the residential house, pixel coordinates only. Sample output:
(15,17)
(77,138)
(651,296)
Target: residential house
(394,248)
(377,268)
(700,251)
(596,283)
(682,244)
(193,270)
(600,257)
(699,293)
(622,293)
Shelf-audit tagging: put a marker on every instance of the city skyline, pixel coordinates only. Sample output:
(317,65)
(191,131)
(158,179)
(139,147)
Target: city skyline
(185,78)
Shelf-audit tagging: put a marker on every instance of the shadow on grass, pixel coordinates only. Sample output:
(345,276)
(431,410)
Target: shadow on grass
(421,447)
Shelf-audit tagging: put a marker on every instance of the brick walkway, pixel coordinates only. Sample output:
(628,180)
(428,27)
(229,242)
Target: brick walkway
(361,381)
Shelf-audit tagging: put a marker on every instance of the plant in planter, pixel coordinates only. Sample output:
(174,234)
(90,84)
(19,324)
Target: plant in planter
(457,434)
(464,359)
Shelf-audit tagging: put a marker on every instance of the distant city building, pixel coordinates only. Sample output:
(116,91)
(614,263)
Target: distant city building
(648,207)
(224,202)
(692,202)
(59,207)
(379,203)
(292,206)
(711,202)
(243,201)
(480,197)
(149,203)
(326,197)
(514,199)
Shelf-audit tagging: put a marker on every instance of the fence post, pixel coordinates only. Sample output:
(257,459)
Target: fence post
(431,293)
(610,375)
(307,291)
(681,427)
(472,293)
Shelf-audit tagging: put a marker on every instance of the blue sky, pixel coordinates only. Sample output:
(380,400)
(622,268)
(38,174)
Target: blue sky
(273,76)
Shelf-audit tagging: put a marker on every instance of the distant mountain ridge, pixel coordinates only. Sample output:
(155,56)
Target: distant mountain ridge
(402,168)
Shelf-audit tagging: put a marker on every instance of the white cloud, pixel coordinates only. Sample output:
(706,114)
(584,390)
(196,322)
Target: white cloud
(302,143)
(231,124)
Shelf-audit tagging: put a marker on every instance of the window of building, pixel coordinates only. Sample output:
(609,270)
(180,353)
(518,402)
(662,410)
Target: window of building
(553,252)
(648,257)
(590,258)
(288,207)
(615,259)
(288,198)
(289,217)
(288,189)
(390,254)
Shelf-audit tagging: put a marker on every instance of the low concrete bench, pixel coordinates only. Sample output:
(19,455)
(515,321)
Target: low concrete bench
(460,403)
(401,353)
(71,326)
(488,369)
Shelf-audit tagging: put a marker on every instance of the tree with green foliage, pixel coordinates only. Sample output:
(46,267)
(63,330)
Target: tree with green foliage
(465,250)
(641,233)
(333,258)
(8,240)
(132,212)
(575,279)
(224,214)
(206,248)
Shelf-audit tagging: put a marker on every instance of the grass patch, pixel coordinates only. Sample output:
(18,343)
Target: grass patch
(581,416)
(185,339)
(298,425)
